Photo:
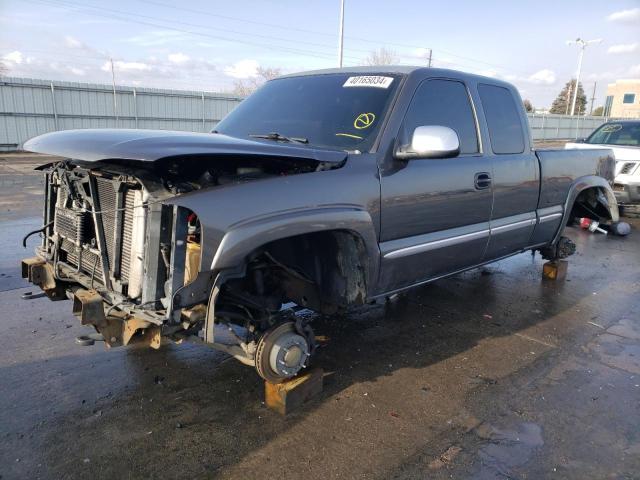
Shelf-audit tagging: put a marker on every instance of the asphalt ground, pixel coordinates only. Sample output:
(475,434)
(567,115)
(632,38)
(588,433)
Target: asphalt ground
(490,374)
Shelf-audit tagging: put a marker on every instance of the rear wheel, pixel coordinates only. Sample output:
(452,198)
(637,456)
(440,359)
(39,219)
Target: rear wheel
(281,353)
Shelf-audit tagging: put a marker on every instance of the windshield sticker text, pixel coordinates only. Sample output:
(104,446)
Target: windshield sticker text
(368,81)
(364,120)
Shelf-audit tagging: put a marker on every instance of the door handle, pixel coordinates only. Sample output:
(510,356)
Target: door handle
(482,180)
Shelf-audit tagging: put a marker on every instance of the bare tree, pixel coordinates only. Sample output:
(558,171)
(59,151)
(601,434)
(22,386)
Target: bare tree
(3,69)
(244,88)
(382,56)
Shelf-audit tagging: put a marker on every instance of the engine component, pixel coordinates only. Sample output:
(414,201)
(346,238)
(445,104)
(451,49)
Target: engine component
(72,225)
(282,352)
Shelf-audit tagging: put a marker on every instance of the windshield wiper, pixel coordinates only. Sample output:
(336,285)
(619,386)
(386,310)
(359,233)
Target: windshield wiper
(280,138)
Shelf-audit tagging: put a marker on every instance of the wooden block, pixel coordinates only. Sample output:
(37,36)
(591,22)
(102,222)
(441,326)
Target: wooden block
(289,395)
(555,270)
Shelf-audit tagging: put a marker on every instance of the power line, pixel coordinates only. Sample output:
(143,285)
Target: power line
(83,10)
(291,28)
(117,14)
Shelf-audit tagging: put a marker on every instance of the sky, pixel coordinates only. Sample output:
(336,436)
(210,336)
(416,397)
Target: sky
(209,45)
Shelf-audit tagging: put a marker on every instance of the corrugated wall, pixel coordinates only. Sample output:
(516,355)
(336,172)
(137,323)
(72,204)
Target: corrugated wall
(30,107)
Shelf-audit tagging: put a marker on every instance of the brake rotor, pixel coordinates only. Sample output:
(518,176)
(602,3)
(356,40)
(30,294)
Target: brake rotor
(281,353)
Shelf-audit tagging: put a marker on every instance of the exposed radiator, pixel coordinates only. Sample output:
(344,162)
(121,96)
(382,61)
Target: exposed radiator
(77,228)
(107,196)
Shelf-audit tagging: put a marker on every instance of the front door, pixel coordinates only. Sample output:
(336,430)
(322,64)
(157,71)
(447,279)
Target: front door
(435,212)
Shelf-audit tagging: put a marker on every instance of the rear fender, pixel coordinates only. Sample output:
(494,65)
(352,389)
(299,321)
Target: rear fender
(580,185)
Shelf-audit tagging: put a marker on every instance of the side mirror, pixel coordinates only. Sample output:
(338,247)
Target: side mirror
(432,141)
(580,140)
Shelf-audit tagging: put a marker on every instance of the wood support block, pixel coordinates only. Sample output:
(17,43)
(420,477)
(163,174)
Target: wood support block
(555,270)
(289,395)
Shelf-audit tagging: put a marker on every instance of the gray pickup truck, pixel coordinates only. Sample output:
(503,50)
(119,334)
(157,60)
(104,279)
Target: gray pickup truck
(323,190)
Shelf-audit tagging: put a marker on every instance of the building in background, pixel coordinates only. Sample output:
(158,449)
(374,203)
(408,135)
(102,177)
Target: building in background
(623,99)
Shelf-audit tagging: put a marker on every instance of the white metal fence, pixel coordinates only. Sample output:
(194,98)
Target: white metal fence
(560,127)
(31,107)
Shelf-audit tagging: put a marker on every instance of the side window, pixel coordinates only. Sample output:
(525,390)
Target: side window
(446,103)
(503,119)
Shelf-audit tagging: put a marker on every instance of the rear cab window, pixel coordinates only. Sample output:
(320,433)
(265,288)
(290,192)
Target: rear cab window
(503,119)
(446,103)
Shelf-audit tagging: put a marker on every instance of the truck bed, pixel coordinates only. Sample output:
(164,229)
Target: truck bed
(560,168)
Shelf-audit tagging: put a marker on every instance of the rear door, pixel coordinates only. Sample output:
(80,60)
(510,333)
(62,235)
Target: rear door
(435,212)
(515,168)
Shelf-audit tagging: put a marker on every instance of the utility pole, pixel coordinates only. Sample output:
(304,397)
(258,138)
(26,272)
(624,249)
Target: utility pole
(430,57)
(566,110)
(341,36)
(593,97)
(115,98)
(582,44)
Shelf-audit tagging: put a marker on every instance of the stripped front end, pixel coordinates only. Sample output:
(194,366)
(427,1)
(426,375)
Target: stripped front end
(109,241)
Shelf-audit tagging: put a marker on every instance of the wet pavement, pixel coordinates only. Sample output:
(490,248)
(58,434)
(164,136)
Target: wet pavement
(490,374)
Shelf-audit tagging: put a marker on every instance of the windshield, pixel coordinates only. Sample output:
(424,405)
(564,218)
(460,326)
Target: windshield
(624,134)
(335,110)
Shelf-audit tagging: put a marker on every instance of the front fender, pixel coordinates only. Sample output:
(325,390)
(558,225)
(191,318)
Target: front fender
(245,237)
(248,236)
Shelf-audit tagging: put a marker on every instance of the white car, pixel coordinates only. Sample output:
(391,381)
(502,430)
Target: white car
(623,137)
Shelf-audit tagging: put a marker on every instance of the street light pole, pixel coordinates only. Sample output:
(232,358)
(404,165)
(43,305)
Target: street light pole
(582,44)
(341,37)
(115,97)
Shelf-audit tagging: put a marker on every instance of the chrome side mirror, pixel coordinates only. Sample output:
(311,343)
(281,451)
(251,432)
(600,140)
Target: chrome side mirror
(432,141)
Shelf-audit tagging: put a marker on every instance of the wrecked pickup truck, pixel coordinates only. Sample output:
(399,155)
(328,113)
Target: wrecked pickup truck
(322,190)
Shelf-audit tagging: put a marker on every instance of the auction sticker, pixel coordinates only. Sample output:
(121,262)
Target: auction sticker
(368,81)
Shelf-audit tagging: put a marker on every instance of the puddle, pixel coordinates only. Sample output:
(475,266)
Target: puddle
(618,352)
(506,450)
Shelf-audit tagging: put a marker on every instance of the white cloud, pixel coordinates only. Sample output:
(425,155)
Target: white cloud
(489,73)
(624,48)
(543,77)
(77,71)
(13,57)
(243,69)
(72,42)
(625,16)
(178,58)
(121,66)
(634,70)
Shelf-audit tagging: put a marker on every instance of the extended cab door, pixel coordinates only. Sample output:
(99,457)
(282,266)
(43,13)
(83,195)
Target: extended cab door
(515,176)
(435,212)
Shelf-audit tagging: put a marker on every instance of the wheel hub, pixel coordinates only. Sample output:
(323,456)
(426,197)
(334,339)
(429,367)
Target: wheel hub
(281,353)
(288,354)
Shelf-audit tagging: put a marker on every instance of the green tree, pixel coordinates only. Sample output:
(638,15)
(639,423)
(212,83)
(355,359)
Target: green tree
(562,103)
(527,105)
(598,111)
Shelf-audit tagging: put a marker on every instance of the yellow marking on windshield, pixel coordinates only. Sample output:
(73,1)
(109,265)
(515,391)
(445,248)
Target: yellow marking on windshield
(364,120)
(348,135)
